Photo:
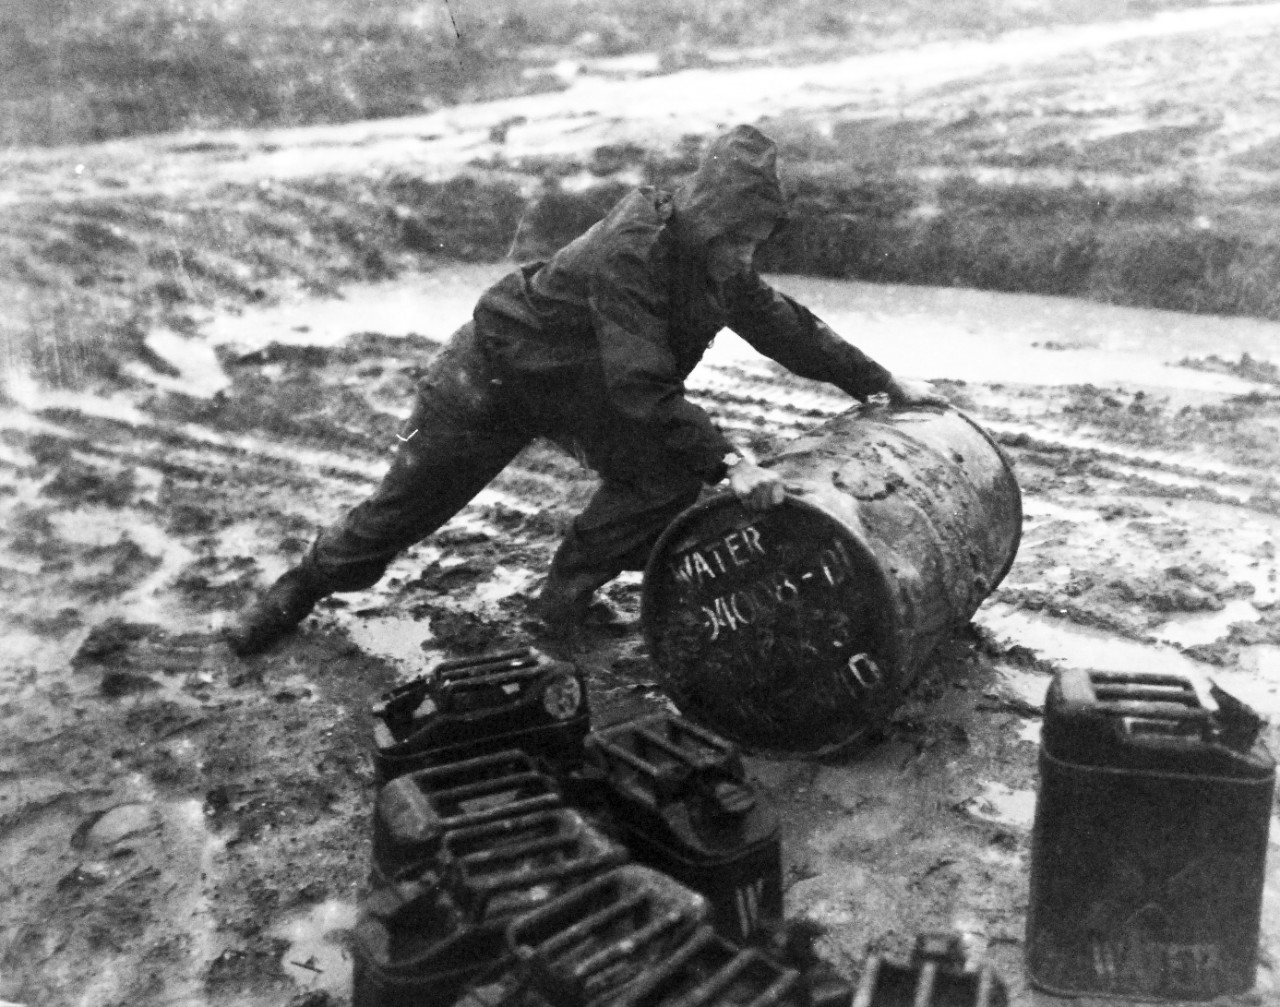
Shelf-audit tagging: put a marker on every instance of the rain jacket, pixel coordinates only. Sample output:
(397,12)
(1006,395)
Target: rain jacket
(611,326)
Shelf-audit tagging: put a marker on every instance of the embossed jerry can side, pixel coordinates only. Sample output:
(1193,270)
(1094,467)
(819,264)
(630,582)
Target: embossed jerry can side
(473,706)
(1150,839)
(425,941)
(938,974)
(414,812)
(679,797)
(798,629)
(580,948)
(710,971)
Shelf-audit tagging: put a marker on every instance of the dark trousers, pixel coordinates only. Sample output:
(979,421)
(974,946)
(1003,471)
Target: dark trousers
(466,426)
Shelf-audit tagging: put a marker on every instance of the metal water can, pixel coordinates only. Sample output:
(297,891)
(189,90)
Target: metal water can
(411,947)
(507,866)
(581,948)
(1150,838)
(413,813)
(938,974)
(797,630)
(425,941)
(471,706)
(710,971)
(678,797)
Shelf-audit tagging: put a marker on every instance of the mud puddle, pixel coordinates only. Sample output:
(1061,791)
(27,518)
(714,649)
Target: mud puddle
(964,335)
(1252,678)
(432,304)
(318,958)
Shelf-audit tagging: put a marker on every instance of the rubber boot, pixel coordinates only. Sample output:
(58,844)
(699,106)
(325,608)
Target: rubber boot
(567,605)
(286,603)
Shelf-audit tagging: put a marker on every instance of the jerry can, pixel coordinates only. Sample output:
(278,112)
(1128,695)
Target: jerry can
(411,947)
(510,865)
(472,706)
(710,971)
(1150,838)
(581,948)
(413,812)
(680,800)
(425,941)
(937,975)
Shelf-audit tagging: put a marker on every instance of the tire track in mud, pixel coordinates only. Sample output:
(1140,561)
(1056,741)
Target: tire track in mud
(270,751)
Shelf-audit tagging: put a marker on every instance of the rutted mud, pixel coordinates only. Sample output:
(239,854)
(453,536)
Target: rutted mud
(222,805)
(177,826)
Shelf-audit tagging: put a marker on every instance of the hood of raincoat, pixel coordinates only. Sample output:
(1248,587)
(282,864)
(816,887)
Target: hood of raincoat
(736,183)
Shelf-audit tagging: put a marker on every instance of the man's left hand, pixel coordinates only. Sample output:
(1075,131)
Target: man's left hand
(908,392)
(758,489)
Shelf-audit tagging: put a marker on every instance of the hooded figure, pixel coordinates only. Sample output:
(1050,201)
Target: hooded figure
(591,349)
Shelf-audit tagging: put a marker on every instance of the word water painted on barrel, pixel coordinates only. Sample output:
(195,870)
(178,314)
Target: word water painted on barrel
(760,606)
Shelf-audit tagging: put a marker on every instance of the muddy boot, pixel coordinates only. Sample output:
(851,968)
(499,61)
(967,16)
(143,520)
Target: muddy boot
(565,609)
(288,601)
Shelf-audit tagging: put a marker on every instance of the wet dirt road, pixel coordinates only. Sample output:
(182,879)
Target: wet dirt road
(178,826)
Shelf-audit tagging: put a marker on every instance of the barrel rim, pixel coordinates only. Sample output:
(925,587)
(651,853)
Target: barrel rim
(725,499)
(1017,495)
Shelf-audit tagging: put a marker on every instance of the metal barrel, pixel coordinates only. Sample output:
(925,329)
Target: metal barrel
(797,630)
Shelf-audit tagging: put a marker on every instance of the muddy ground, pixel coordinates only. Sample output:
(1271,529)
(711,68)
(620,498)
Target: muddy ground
(181,827)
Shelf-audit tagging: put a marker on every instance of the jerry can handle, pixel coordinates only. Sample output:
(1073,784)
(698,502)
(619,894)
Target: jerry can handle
(398,706)
(1165,732)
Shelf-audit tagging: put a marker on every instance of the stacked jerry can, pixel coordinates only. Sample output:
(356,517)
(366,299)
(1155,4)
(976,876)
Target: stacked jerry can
(516,699)
(459,851)
(938,974)
(585,945)
(683,805)
(504,836)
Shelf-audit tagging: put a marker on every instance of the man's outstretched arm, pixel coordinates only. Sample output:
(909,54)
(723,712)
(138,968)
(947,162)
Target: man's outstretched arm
(788,332)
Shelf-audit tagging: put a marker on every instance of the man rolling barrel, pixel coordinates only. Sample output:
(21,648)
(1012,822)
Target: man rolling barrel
(591,350)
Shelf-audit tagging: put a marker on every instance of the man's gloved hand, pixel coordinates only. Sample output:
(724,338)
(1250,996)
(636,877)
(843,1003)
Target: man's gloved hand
(758,489)
(908,392)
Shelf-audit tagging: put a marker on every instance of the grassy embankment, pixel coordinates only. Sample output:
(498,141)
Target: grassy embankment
(964,201)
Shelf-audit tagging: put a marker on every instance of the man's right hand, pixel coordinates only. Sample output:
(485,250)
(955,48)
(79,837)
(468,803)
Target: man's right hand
(757,488)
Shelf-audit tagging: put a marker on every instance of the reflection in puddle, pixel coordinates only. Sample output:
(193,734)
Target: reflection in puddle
(1255,680)
(1003,805)
(199,372)
(1263,661)
(395,638)
(1205,627)
(1037,508)
(431,304)
(1079,646)
(1028,686)
(23,391)
(503,582)
(983,337)
(188,903)
(317,957)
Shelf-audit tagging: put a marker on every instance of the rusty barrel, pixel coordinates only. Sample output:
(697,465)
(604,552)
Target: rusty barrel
(797,630)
